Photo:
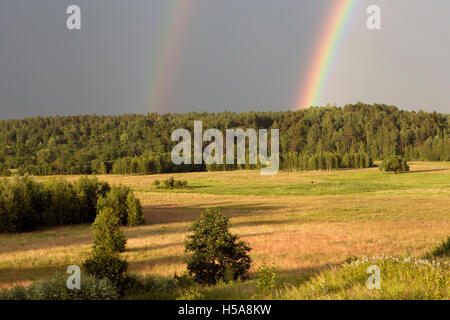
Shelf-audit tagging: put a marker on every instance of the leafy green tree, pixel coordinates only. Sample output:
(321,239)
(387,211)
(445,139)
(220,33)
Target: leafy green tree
(26,204)
(107,234)
(88,191)
(98,167)
(214,251)
(27,201)
(116,199)
(8,214)
(134,209)
(63,205)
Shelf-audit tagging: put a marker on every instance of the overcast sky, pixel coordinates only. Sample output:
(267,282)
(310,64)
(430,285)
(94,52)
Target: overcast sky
(239,55)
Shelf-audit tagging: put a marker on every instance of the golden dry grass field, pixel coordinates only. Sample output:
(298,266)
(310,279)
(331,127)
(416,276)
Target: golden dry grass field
(300,221)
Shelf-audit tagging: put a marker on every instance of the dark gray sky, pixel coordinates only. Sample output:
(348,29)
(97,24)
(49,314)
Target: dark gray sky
(140,56)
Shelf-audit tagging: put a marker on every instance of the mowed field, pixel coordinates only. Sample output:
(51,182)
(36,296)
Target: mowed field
(299,221)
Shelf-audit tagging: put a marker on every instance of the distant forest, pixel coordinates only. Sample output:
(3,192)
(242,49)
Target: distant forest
(310,139)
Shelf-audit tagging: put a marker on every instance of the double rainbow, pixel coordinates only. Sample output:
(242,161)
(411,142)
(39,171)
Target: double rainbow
(178,13)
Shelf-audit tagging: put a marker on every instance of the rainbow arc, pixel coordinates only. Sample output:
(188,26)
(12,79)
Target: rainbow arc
(177,17)
(324,54)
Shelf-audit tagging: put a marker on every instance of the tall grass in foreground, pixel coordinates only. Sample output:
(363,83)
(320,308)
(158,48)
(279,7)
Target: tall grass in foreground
(401,279)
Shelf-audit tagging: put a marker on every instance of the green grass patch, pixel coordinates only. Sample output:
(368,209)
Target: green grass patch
(341,182)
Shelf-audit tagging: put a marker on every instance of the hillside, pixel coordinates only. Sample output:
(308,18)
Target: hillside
(141,144)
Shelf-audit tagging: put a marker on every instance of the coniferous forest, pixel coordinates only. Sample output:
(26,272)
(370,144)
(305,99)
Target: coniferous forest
(310,139)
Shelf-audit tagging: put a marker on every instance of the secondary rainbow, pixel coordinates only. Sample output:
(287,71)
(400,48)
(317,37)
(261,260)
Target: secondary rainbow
(311,90)
(176,18)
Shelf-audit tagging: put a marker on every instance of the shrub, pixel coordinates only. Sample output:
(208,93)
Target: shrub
(91,289)
(185,280)
(16,293)
(192,293)
(394,164)
(56,289)
(442,250)
(107,265)
(116,199)
(213,250)
(134,209)
(124,205)
(149,287)
(171,183)
(266,278)
(105,262)
(4,172)
(107,235)
(177,184)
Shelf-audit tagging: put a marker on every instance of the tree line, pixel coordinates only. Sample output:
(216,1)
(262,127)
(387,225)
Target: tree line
(141,144)
(27,205)
(294,161)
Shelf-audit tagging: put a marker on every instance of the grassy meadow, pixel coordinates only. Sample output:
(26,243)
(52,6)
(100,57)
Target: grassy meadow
(301,222)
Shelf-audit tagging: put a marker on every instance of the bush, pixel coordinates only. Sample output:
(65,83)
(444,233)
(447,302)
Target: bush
(105,262)
(134,209)
(56,289)
(5,172)
(16,293)
(124,205)
(192,293)
(214,250)
(116,199)
(442,250)
(394,164)
(177,184)
(107,265)
(171,183)
(266,278)
(185,280)
(149,287)
(107,235)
